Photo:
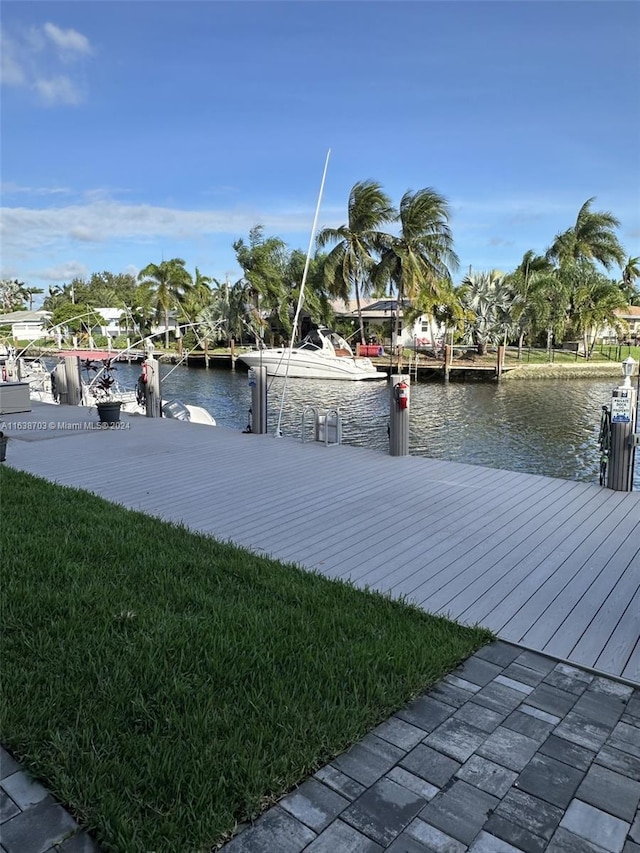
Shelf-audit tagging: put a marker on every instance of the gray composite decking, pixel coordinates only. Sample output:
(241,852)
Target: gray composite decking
(551,564)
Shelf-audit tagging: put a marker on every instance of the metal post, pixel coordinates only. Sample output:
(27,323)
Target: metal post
(399,415)
(258,385)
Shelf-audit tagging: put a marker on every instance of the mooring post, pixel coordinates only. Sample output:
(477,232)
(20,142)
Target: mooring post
(399,415)
(448,356)
(623,442)
(73,381)
(152,395)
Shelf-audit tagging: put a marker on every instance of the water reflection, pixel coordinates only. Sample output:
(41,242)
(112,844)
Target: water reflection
(547,427)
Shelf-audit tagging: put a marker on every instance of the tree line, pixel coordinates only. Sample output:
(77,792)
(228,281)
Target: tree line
(406,253)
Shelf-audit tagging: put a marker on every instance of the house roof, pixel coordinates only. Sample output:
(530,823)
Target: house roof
(629,311)
(24,316)
(371,309)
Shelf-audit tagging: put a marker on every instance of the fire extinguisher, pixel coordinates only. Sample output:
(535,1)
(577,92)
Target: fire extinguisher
(401,393)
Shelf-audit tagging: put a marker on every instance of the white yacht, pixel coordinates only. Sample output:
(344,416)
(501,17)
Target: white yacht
(323,354)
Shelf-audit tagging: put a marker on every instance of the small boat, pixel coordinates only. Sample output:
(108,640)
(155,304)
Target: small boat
(323,354)
(42,387)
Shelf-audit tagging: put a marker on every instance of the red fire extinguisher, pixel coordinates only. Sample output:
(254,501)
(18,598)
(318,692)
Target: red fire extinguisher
(401,392)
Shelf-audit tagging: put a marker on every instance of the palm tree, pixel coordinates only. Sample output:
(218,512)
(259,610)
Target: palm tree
(596,301)
(30,292)
(489,299)
(591,238)
(170,282)
(349,265)
(419,260)
(630,272)
(529,274)
(264,262)
(197,298)
(316,300)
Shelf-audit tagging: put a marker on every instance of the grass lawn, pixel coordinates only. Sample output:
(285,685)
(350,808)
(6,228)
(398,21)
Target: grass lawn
(166,686)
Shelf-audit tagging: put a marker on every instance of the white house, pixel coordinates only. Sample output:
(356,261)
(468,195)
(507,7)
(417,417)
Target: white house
(380,312)
(27,325)
(629,315)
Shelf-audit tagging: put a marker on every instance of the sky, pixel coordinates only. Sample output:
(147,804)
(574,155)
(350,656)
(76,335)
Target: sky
(135,131)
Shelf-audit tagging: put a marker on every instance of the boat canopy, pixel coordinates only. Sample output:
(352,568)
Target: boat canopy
(327,340)
(87,354)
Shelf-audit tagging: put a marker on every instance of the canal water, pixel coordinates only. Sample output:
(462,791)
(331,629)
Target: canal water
(547,427)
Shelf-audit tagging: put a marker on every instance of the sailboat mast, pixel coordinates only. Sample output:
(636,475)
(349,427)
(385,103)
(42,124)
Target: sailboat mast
(302,284)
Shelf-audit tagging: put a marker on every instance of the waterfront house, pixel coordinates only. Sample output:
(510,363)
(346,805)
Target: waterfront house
(380,314)
(26,325)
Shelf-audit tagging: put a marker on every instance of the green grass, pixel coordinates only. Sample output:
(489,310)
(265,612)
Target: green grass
(166,686)
(601,354)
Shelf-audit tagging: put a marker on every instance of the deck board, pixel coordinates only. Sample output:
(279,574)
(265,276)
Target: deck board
(523,532)
(548,563)
(621,642)
(581,592)
(545,570)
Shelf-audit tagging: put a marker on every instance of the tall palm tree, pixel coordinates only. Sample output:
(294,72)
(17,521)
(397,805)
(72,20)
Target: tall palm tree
(350,264)
(197,298)
(316,300)
(591,238)
(595,302)
(264,262)
(170,282)
(528,276)
(419,261)
(631,272)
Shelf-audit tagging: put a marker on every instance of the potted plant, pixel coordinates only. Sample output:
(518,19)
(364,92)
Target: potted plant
(108,407)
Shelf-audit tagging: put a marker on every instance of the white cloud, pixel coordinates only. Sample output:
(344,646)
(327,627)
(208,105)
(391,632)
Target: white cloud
(11,72)
(63,272)
(107,234)
(70,43)
(58,90)
(104,220)
(10,188)
(32,60)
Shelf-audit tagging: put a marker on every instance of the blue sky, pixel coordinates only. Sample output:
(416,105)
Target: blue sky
(137,131)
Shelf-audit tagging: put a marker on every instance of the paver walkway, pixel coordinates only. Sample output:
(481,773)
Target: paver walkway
(512,753)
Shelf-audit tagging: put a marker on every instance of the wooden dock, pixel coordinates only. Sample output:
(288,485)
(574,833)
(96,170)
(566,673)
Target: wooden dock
(551,564)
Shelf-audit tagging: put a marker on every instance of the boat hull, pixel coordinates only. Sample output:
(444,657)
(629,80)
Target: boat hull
(308,365)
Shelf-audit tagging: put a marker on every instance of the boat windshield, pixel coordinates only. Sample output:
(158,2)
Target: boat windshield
(313,341)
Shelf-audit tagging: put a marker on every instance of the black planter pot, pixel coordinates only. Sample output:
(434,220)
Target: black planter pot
(109,411)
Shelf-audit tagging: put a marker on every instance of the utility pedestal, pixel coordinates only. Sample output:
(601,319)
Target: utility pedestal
(622,449)
(258,385)
(399,416)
